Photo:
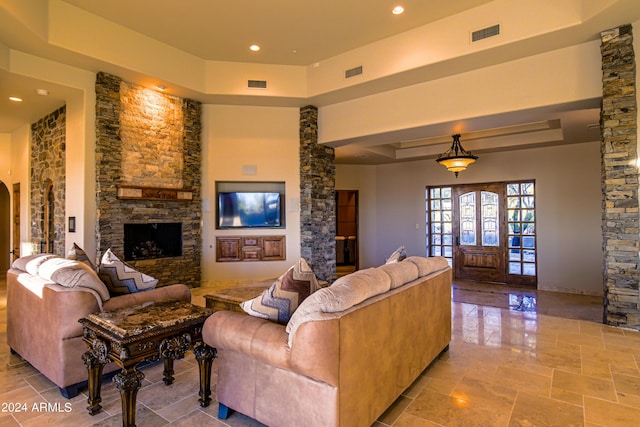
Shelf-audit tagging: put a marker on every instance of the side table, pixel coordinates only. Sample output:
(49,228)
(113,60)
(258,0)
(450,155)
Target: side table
(164,329)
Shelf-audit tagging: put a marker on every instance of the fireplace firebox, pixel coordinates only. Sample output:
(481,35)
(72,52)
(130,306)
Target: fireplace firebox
(152,240)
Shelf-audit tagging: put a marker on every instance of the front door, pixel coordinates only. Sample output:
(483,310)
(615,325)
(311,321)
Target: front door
(486,232)
(478,231)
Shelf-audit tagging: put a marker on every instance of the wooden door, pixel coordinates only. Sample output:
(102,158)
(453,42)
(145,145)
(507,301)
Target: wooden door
(478,231)
(16,221)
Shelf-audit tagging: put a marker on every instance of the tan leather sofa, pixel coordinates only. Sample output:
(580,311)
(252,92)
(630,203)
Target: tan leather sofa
(347,353)
(43,314)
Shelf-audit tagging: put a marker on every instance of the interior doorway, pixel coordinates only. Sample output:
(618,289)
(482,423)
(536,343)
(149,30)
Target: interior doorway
(346,231)
(5,236)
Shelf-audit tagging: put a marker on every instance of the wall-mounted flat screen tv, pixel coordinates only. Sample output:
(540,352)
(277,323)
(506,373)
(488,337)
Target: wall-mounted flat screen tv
(239,209)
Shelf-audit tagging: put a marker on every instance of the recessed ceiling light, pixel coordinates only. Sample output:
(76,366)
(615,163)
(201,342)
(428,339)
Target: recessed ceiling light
(254,47)
(15,99)
(42,92)
(161,88)
(398,10)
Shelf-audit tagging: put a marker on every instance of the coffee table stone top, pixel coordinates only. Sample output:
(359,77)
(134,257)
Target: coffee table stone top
(138,319)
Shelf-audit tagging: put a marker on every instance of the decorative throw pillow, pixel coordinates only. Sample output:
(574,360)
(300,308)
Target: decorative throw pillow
(282,298)
(121,278)
(397,255)
(78,254)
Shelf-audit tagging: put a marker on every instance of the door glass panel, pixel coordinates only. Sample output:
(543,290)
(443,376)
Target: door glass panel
(490,219)
(515,268)
(468,219)
(513,202)
(529,269)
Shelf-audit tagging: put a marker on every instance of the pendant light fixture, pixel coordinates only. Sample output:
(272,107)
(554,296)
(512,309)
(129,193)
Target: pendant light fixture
(456,159)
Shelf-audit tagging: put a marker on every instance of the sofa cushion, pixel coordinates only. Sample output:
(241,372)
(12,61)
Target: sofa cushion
(400,273)
(428,265)
(278,302)
(343,294)
(78,254)
(121,278)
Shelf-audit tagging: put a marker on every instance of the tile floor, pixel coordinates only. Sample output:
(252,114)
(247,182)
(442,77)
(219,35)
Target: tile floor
(517,358)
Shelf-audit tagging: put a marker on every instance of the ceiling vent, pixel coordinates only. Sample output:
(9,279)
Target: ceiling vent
(485,33)
(257,84)
(353,72)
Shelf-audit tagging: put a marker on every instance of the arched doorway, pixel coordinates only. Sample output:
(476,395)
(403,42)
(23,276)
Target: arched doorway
(5,218)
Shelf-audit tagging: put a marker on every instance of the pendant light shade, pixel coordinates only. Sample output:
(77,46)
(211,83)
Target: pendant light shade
(456,159)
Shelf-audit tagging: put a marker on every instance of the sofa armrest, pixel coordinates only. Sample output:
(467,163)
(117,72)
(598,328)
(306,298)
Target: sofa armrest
(256,338)
(178,291)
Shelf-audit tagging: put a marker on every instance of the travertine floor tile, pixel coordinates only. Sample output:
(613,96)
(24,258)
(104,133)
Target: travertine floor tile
(610,414)
(535,410)
(582,384)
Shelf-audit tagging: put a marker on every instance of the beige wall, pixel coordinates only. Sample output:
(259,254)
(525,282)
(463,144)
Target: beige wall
(264,138)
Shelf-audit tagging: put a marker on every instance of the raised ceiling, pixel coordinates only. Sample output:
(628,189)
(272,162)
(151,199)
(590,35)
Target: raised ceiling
(303,34)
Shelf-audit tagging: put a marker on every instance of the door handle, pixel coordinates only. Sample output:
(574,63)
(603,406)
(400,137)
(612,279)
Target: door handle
(457,240)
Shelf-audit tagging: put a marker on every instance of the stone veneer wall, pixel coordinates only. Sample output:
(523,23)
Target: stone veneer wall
(317,198)
(47,158)
(142,125)
(621,211)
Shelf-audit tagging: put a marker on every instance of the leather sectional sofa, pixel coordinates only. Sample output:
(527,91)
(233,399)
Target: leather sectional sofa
(46,296)
(347,353)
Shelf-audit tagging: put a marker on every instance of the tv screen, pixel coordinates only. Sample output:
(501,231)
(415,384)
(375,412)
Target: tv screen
(249,209)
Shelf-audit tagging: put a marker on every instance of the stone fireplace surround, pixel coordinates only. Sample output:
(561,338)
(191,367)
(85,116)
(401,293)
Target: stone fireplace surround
(178,153)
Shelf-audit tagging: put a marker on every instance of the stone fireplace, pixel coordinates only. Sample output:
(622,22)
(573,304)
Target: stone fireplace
(148,180)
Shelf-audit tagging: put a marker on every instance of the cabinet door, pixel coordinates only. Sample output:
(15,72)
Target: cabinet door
(228,249)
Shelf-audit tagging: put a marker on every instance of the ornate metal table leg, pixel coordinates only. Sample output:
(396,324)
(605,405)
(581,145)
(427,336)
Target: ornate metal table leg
(205,355)
(94,360)
(128,382)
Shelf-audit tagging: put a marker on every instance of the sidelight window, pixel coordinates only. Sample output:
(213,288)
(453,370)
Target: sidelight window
(440,223)
(521,228)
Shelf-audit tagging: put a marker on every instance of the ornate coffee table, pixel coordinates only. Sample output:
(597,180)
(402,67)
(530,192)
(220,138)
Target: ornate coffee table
(164,329)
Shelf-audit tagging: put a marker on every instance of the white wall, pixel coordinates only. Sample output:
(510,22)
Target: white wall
(268,139)
(568,197)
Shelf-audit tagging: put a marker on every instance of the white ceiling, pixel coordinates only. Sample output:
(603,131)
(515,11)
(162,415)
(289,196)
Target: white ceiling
(299,32)
(315,30)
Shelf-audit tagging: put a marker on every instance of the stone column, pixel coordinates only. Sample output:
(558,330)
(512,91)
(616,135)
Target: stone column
(621,239)
(317,198)
(48,170)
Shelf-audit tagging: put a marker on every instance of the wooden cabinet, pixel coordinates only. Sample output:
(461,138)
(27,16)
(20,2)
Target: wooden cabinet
(250,248)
